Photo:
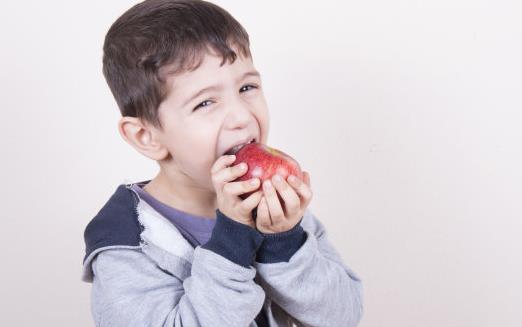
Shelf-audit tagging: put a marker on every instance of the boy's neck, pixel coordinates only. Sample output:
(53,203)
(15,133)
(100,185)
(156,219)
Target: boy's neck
(176,191)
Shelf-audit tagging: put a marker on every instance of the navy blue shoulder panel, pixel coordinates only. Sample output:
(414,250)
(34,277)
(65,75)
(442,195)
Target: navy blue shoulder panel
(115,224)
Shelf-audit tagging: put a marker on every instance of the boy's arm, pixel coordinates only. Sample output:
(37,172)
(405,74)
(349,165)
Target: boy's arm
(129,289)
(310,282)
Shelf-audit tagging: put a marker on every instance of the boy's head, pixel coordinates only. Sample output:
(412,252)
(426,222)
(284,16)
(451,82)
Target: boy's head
(183,77)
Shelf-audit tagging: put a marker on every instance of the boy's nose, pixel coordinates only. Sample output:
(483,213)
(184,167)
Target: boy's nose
(239,116)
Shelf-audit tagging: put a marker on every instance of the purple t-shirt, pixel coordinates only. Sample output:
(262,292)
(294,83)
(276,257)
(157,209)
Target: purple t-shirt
(196,229)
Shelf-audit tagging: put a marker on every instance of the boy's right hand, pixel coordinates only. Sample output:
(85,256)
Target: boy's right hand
(227,191)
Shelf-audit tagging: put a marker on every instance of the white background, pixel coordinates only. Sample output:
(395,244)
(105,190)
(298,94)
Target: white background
(407,114)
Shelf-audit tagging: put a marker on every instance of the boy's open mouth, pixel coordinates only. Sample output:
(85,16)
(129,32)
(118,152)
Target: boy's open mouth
(235,148)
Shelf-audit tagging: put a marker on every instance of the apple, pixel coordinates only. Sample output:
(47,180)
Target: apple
(264,162)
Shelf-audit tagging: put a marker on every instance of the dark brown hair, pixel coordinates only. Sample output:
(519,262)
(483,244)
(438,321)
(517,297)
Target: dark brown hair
(158,38)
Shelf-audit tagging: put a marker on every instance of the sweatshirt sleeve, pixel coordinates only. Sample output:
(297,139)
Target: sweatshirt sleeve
(233,240)
(314,287)
(280,247)
(129,289)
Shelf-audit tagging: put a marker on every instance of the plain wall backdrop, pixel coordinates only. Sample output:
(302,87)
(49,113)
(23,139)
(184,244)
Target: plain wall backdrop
(407,114)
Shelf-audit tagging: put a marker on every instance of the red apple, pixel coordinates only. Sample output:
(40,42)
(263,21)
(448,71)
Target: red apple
(264,162)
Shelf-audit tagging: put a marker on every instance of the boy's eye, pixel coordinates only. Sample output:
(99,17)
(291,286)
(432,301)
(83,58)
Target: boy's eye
(206,103)
(246,86)
(202,104)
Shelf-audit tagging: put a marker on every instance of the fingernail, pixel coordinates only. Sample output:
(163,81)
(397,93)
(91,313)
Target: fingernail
(268,185)
(292,179)
(232,156)
(242,165)
(277,178)
(253,181)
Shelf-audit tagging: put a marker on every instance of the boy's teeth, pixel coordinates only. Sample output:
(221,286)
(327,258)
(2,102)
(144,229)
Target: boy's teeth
(236,148)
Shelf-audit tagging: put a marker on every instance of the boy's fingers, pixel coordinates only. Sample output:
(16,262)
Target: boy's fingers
(306,178)
(292,202)
(221,163)
(263,216)
(237,188)
(274,206)
(251,201)
(229,174)
(303,190)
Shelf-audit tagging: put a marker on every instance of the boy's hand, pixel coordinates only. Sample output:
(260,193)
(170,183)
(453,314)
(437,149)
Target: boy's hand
(228,192)
(296,195)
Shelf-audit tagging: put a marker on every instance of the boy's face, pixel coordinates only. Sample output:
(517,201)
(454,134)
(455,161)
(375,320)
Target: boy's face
(199,126)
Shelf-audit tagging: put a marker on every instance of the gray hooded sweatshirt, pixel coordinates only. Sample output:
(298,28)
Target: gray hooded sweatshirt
(145,273)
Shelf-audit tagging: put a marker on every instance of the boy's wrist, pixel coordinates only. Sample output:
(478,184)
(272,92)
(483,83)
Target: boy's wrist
(280,247)
(233,240)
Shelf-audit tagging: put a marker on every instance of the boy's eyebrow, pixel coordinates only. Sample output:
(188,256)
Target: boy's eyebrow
(217,87)
(250,73)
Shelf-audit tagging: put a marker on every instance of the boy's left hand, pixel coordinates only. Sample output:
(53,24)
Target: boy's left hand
(272,216)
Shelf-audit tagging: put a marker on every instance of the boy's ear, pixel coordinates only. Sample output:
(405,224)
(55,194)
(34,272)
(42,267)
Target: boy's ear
(142,137)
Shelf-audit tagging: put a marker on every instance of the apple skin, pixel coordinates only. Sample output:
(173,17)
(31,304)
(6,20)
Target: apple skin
(264,162)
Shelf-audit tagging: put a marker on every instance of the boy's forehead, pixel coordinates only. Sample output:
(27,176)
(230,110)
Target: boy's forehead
(211,68)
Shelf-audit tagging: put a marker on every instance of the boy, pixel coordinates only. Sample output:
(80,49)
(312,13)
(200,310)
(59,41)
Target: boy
(183,249)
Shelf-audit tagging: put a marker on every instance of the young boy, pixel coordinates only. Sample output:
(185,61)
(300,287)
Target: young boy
(183,249)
